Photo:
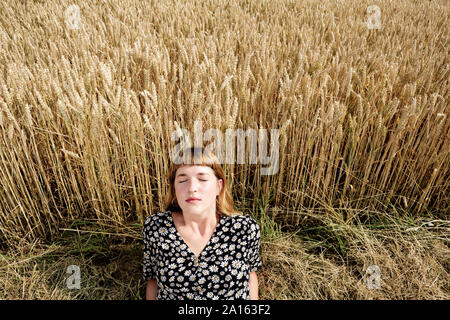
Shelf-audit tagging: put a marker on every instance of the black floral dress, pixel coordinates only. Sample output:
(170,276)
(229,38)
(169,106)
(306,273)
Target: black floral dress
(222,269)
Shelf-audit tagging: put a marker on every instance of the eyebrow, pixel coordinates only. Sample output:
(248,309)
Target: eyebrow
(199,174)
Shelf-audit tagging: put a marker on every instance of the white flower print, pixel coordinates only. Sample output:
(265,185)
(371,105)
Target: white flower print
(162,231)
(223,265)
(180,260)
(236,264)
(215,278)
(213,268)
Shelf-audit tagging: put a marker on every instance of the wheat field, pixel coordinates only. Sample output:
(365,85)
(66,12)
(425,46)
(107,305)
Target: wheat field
(89,99)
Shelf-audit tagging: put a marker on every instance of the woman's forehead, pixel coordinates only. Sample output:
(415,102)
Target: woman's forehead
(194,170)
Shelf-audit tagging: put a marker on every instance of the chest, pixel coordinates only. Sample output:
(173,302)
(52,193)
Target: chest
(195,243)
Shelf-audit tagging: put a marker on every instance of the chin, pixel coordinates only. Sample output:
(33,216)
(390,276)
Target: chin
(194,209)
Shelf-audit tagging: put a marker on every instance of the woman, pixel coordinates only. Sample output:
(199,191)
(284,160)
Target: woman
(200,248)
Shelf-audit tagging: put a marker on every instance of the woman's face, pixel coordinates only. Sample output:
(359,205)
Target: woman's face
(197,182)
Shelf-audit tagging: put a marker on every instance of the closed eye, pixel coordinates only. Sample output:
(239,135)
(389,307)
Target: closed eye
(186,180)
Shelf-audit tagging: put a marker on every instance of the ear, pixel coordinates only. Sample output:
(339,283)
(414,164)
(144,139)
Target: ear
(220,185)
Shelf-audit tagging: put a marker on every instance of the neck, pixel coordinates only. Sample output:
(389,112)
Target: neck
(200,223)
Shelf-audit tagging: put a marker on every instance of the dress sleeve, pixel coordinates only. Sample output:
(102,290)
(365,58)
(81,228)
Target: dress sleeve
(150,261)
(254,240)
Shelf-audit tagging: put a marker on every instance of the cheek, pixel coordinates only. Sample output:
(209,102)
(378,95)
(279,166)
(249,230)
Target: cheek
(211,190)
(178,190)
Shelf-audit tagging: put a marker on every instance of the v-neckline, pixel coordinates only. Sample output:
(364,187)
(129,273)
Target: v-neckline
(189,248)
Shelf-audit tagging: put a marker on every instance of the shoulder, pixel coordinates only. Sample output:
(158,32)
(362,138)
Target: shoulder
(156,219)
(245,222)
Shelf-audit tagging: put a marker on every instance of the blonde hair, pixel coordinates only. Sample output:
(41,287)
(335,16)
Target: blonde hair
(224,203)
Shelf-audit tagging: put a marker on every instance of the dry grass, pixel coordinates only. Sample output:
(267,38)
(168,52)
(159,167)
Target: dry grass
(312,264)
(412,265)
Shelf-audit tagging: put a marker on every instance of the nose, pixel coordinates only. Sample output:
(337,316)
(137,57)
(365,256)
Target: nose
(192,186)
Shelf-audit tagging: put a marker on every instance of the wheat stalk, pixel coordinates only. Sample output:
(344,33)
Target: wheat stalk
(70,153)
(106,73)
(9,115)
(7,95)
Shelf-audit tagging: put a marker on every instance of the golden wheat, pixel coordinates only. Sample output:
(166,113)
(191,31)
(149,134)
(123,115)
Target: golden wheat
(363,112)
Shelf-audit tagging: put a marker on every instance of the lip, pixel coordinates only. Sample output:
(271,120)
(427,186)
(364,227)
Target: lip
(193,200)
